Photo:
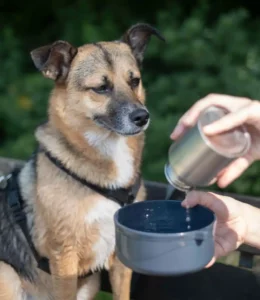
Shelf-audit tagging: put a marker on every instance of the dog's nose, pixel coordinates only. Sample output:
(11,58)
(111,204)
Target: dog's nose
(139,117)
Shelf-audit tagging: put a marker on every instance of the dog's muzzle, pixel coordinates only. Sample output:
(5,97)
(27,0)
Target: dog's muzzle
(139,117)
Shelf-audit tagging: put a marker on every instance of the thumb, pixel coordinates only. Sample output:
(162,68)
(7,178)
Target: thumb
(211,263)
(216,203)
(234,170)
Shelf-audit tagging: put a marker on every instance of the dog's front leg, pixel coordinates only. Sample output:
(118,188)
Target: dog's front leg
(64,270)
(120,279)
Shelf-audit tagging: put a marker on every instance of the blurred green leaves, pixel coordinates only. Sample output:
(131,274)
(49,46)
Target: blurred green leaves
(199,57)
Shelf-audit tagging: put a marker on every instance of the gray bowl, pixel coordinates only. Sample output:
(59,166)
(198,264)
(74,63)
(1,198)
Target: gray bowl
(153,238)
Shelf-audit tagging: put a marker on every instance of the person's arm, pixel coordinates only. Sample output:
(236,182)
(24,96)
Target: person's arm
(252,236)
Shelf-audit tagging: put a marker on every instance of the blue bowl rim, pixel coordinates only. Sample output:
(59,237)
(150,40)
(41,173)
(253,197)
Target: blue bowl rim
(153,234)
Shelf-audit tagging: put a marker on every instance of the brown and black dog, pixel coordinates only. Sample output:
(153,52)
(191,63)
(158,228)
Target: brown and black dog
(89,149)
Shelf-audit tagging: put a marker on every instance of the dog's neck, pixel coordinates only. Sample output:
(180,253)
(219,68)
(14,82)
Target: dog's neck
(99,156)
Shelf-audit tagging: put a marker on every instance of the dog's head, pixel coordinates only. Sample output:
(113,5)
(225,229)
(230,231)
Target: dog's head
(102,80)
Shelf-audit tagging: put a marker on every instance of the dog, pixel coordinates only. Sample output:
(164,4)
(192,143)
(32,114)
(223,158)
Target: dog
(56,212)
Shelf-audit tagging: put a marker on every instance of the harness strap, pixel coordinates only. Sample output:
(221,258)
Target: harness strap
(15,201)
(122,196)
(16,204)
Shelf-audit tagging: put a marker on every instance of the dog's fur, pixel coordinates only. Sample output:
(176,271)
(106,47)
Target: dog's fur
(89,129)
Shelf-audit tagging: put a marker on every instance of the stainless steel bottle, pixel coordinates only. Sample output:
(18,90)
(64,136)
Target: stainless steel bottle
(196,159)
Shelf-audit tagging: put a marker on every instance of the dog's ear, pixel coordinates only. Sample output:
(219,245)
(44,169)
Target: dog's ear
(138,36)
(54,60)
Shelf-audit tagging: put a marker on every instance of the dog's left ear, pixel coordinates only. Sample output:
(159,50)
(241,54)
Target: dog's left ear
(54,60)
(138,36)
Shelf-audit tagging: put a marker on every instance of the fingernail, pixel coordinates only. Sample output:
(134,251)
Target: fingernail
(177,131)
(207,129)
(222,185)
(184,203)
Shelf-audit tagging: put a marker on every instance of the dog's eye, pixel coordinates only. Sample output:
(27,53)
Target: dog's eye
(102,89)
(134,82)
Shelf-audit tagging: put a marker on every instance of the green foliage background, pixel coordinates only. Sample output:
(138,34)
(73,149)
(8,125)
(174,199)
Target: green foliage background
(211,48)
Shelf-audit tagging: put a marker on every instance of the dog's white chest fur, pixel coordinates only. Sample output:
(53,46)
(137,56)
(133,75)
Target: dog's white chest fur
(103,211)
(116,150)
(102,214)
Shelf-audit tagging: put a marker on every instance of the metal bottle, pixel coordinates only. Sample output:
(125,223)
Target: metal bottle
(196,159)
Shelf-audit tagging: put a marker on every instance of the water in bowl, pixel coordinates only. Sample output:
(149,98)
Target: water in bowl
(164,217)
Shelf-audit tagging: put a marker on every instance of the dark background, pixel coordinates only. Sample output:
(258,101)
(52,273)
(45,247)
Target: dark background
(212,47)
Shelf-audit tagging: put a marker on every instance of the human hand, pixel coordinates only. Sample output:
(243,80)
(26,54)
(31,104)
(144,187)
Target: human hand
(243,111)
(232,217)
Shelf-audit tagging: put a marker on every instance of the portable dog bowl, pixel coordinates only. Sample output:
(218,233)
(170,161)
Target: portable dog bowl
(152,237)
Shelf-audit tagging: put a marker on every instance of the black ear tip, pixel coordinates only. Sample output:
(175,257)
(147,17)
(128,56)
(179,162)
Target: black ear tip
(159,35)
(35,59)
(32,54)
(39,56)
(148,28)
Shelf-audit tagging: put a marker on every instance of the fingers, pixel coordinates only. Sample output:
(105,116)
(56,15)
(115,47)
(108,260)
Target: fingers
(211,263)
(230,121)
(233,171)
(218,204)
(191,116)
(178,131)
(194,198)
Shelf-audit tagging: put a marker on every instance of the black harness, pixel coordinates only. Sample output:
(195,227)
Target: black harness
(122,196)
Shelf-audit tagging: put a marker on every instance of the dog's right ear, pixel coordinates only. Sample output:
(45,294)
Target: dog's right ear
(54,60)
(138,36)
